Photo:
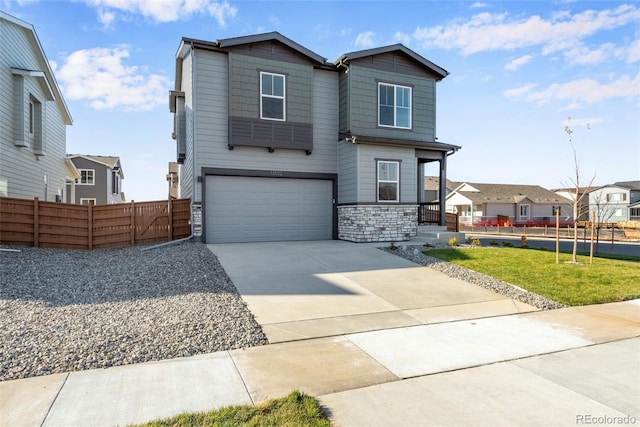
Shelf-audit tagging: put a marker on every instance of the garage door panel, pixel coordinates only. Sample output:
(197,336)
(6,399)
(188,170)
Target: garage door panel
(252,209)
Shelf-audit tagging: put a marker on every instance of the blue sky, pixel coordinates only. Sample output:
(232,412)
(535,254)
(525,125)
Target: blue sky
(518,71)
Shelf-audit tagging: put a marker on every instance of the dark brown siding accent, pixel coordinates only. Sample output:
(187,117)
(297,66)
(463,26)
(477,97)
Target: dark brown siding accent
(394,62)
(270,134)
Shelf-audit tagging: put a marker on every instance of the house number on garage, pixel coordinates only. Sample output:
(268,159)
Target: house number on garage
(276,173)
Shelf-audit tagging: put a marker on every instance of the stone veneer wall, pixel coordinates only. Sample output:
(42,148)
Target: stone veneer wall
(377,223)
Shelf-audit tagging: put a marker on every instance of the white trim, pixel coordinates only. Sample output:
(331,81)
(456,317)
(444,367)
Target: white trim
(395,106)
(87,199)
(392,181)
(93,177)
(528,215)
(283,97)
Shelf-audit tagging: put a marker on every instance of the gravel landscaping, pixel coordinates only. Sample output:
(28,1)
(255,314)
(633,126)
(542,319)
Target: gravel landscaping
(415,254)
(68,310)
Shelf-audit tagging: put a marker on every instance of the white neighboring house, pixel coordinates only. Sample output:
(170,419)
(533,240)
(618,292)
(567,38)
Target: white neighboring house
(100,181)
(33,120)
(616,202)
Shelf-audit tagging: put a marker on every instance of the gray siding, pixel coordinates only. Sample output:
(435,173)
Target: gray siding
(102,178)
(347,172)
(362,115)
(244,87)
(345,123)
(187,175)
(21,170)
(367,155)
(394,62)
(211,124)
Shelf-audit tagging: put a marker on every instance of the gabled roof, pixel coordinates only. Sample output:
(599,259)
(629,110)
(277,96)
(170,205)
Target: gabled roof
(46,75)
(108,161)
(274,35)
(629,185)
(225,44)
(433,183)
(507,193)
(439,71)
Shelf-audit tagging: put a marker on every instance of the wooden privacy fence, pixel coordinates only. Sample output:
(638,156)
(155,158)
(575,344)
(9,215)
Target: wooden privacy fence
(60,225)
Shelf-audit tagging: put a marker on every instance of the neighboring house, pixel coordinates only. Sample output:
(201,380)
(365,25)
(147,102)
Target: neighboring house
(100,181)
(172,180)
(278,144)
(583,194)
(616,202)
(501,204)
(33,119)
(432,188)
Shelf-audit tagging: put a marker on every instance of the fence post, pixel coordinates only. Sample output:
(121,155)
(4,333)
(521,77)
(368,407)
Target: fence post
(90,225)
(132,222)
(170,231)
(36,223)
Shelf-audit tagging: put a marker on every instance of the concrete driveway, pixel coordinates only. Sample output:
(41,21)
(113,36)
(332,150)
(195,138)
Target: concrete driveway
(300,290)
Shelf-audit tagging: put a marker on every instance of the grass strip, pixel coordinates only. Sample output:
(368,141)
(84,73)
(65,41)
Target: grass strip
(606,280)
(296,409)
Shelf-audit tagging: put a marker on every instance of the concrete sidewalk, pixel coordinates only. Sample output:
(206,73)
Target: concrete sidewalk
(525,369)
(380,341)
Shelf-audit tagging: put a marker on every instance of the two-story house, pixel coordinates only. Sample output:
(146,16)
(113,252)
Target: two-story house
(275,143)
(33,119)
(616,202)
(100,181)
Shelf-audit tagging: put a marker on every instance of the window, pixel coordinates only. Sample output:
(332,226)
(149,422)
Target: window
(87,177)
(524,211)
(32,118)
(394,106)
(35,126)
(87,202)
(114,182)
(388,181)
(272,102)
(616,197)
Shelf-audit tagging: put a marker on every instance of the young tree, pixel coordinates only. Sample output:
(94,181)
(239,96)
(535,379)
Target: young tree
(575,181)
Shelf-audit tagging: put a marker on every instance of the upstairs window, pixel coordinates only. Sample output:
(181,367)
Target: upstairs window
(394,106)
(388,181)
(616,197)
(87,177)
(272,100)
(114,182)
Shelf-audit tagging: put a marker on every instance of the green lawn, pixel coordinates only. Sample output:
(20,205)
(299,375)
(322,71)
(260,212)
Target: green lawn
(606,280)
(296,409)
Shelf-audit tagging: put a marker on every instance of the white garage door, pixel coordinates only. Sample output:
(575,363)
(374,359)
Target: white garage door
(249,209)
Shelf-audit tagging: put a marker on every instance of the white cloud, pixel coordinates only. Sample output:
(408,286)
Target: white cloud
(163,10)
(633,55)
(579,93)
(582,55)
(491,32)
(586,122)
(518,62)
(401,37)
(519,91)
(99,76)
(274,20)
(478,5)
(366,39)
